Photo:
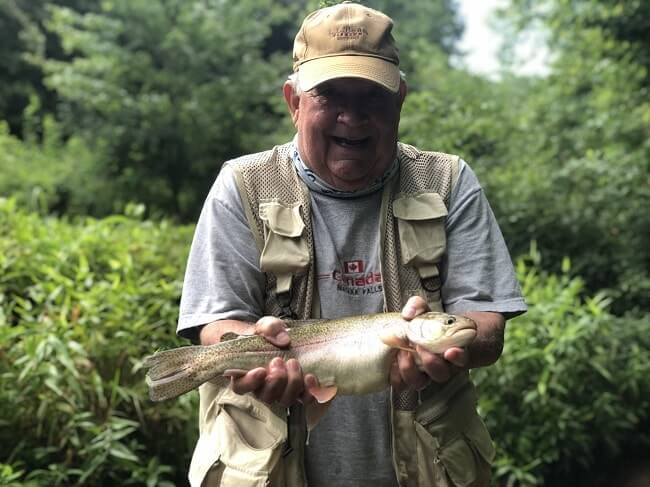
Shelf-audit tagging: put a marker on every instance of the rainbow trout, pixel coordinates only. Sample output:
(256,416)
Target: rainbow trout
(349,355)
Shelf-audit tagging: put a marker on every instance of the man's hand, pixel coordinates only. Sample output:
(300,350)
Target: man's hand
(279,381)
(417,370)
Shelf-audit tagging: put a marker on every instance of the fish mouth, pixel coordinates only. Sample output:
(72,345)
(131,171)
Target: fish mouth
(466,334)
(465,325)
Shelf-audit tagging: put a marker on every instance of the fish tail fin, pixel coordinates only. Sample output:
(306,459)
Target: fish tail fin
(170,373)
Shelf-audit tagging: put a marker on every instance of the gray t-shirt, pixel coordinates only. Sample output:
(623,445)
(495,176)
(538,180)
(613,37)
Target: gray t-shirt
(351,444)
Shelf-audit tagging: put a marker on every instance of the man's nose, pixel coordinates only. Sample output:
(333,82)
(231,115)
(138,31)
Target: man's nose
(352,112)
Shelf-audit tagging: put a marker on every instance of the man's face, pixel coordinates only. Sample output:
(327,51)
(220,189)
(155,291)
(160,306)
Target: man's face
(347,130)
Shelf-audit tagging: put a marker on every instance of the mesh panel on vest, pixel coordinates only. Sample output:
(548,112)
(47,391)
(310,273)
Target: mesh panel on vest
(418,171)
(269,176)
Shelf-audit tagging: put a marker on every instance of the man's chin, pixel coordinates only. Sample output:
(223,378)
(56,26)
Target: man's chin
(350,180)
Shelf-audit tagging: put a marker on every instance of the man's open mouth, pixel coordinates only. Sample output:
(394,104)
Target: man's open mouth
(345,142)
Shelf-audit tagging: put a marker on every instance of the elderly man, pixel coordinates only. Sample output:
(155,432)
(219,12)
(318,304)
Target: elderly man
(344,220)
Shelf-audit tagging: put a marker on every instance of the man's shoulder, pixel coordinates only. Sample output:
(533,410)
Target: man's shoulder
(428,169)
(260,157)
(416,153)
(268,175)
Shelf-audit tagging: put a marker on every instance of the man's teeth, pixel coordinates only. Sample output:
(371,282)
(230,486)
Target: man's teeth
(345,141)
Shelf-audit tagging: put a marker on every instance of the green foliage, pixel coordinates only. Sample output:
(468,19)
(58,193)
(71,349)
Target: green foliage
(24,41)
(19,37)
(578,176)
(81,303)
(53,176)
(564,159)
(442,28)
(168,90)
(625,23)
(453,111)
(572,387)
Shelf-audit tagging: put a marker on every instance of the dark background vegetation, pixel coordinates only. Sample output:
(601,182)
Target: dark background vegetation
(115,117)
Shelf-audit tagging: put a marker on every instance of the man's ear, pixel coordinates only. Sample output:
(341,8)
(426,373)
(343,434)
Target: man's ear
(293,101)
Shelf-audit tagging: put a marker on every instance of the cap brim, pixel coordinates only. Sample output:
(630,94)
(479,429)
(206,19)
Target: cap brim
(316,71)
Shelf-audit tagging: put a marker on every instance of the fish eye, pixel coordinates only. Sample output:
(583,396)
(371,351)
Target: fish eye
(451,321)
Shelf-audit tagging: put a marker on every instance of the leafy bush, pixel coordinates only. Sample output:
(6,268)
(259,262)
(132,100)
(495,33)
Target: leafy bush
(52,175)
(81,303)
(571,389)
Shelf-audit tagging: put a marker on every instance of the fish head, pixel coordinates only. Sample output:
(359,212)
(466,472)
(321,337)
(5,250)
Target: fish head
(439,331)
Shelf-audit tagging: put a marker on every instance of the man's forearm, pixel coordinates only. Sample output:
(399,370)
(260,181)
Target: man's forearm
(488,344)
(212,332)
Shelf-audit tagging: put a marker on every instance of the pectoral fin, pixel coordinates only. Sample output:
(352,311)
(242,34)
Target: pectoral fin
(389,336)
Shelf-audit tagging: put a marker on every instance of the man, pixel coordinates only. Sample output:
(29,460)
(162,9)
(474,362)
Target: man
(345,221)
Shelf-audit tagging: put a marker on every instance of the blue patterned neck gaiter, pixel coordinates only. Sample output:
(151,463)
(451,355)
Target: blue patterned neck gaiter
(315,183)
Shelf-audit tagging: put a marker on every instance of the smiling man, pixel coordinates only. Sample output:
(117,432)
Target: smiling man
(347,129)
(345,220)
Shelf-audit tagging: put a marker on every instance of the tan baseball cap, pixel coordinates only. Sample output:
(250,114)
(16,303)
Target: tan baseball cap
(346,40)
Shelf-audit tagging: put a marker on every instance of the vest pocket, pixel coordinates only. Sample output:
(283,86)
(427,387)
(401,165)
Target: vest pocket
(422,238)
(240,443)
(454,447)
(220,475)
(285,251)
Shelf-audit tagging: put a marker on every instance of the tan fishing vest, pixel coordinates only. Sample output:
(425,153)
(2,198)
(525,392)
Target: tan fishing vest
(438,438)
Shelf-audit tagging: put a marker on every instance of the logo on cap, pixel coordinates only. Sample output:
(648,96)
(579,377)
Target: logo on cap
(348,32)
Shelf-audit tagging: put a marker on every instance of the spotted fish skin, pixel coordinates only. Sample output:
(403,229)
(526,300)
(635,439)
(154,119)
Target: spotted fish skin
(353,354)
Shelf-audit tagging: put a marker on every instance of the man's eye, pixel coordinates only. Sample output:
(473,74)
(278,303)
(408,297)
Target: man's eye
(377,96)
(326,98)
(320,94)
